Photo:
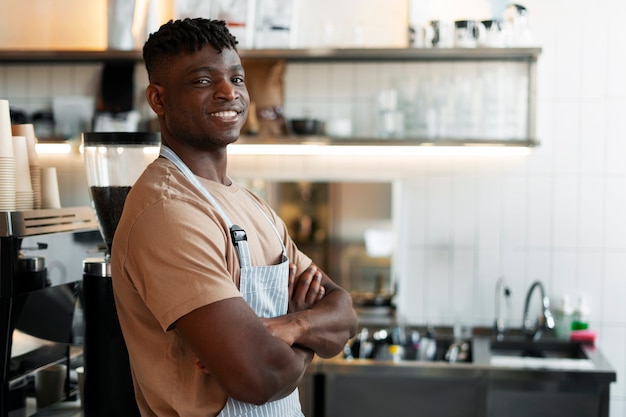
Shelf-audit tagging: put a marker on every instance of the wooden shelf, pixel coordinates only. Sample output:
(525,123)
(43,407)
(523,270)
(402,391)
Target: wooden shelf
(47,57)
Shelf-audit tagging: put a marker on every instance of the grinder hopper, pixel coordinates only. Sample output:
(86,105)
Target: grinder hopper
(114,161)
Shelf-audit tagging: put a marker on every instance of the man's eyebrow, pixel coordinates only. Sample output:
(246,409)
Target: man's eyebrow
(206,68)
(211,68)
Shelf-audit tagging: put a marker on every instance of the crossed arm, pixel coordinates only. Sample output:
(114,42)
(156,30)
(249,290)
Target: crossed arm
(258,360)
(317,317)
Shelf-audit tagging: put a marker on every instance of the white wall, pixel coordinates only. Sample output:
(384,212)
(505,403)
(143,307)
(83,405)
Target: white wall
(556,216)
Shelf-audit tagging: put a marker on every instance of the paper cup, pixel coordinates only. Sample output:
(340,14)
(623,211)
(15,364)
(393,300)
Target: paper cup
(7,183)
(22,170)
(28,131)
(50,198)
(49,385)
(35,180)
(6,136)
(80,374)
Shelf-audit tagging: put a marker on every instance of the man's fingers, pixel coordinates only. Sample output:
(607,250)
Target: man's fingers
(314,288)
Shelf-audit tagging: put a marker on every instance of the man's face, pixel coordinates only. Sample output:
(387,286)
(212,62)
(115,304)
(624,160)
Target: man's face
(205,100)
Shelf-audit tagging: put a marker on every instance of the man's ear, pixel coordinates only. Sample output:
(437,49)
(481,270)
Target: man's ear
(154,96)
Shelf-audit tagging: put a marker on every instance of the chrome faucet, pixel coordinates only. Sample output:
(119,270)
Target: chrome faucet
(545,320)
(502,291)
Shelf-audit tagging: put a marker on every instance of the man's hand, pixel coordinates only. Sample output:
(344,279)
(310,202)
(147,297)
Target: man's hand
(304,290)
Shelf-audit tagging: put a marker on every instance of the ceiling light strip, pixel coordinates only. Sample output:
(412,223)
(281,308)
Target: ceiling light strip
(53,148)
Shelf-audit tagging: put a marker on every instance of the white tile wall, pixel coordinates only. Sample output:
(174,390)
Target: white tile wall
(556,215)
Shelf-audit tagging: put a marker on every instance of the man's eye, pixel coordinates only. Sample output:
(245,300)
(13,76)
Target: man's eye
(238,80)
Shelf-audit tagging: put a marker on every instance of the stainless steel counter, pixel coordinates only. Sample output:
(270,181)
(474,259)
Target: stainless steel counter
(365,387)
(601,372)
(368,387)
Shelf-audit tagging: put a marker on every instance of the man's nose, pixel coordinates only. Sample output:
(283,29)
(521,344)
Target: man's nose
(226,90)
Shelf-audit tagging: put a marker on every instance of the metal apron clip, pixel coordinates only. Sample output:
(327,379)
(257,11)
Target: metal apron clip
(237,234)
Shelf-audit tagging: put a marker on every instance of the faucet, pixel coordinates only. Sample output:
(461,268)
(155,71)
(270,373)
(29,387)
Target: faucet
(545,321)
(502,290)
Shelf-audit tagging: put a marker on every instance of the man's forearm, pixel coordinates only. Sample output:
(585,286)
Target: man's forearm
(302,354)
(325,328)
(328,325)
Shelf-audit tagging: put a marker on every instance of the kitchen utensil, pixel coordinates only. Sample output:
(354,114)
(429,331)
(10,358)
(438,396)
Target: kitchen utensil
(339,128)
(443,34)
(468,33)
(495,34)
(306,126)
(516,20)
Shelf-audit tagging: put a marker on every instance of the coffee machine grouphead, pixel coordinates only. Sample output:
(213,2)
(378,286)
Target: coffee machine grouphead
(113,162)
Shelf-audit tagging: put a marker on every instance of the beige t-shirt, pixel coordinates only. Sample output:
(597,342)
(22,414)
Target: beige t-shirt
(171,255)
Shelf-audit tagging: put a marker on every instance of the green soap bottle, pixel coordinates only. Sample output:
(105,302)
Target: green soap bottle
(581,315)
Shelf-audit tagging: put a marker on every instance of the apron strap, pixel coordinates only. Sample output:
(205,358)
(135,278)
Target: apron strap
(171,155)
(235,231)
(280,239)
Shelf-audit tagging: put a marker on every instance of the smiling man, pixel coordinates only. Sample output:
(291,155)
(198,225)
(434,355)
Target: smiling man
(221,312)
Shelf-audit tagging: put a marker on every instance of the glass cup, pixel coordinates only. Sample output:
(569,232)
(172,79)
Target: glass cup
(468,33)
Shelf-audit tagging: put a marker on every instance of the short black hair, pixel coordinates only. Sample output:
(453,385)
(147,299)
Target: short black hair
(188,35)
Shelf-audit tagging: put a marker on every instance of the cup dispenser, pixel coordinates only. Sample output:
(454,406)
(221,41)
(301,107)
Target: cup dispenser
(113,162)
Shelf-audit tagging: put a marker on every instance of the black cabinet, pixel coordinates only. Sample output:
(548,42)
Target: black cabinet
(338,387)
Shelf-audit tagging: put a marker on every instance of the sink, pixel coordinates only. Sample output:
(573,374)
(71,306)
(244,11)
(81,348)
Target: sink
(541,354)
(538,349)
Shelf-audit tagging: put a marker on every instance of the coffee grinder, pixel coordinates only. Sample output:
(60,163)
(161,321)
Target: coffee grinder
(113,162)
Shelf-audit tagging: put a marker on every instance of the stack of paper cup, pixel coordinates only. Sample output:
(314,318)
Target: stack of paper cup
(50,198)
(7,160)
(28,131)
(24,197)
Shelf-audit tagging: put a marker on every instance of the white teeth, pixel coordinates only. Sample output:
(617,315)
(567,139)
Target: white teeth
(225,114)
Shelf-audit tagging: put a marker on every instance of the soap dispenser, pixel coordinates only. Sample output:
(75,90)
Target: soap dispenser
(580,320)
(564,316)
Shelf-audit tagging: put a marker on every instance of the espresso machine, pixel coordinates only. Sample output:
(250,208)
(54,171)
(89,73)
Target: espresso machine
(113,162)
(40,292)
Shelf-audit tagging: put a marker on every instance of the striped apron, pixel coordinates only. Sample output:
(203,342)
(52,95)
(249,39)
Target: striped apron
(264,288)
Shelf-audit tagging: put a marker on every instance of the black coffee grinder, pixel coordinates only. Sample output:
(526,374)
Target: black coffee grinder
(113,162)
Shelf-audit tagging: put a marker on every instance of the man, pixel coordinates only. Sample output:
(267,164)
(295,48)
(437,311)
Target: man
(214,322)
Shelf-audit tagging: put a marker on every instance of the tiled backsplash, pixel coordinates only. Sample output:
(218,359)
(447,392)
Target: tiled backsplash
(486,100)
(556,215)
